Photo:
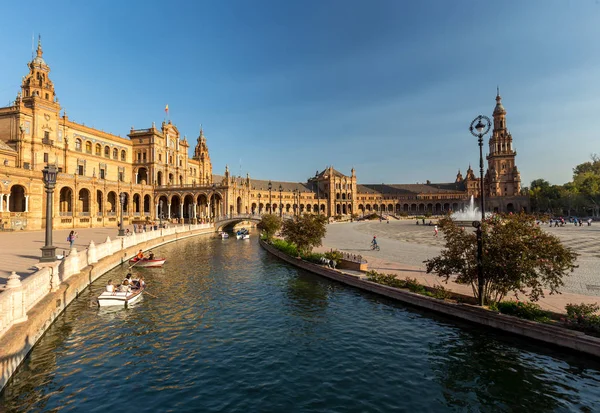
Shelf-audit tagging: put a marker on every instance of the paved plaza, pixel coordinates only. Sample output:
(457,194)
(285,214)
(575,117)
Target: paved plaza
(405,245)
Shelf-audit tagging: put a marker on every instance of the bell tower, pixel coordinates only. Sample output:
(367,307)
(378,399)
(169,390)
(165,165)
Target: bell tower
(37,83)
(202,156)
(504,179)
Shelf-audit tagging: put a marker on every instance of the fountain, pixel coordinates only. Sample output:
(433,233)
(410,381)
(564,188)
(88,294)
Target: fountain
(468,214)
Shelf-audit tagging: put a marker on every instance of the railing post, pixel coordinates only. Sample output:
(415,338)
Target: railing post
(91,253)
(17,302)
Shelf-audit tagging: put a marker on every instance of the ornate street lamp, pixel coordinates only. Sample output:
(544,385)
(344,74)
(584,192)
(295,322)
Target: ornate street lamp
(214,191)
(48,250)
(479,127)
(270,204)
(161,213)
(296,194)
(121,230)
(259,203)
(280,203)
(318,197)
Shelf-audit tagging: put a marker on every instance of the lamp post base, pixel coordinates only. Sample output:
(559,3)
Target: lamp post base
(48,253)
(121,232)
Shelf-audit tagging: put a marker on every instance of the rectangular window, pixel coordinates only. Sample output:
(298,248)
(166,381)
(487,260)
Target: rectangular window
(45,157)
(160,157)
(80,169)
(121,175)
(144,156)
(102,174)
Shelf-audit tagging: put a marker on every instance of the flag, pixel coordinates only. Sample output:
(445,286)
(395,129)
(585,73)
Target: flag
(167,109)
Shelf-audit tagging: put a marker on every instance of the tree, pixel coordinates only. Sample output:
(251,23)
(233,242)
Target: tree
(269,224)
(586,181)
(518,257)
(305,231)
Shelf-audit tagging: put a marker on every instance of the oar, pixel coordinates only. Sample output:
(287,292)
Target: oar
(151,295)
(133,264)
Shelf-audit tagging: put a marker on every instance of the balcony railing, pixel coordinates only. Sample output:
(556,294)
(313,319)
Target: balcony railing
(84,214)
(65,213)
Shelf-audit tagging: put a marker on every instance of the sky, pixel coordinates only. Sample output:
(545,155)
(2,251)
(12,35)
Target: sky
(286,88)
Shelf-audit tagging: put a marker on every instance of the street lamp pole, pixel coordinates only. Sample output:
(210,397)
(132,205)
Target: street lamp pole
(295,191)
(318,197)
(161,213)
(121,230)
(280,202)
(270,202)
(479,127)
(214,191)
(259,203)
(48,250)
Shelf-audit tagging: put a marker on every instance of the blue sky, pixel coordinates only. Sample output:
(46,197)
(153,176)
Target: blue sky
(288,87)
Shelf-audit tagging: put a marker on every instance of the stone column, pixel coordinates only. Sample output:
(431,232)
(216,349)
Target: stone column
(156,215)
(92,254)
(168,211)
(1,202)
(195,208)
(26,203)
(7,203)
(181,211)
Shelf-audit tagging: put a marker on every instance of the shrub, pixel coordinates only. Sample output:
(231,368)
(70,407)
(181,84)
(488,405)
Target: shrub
(313,257)
(285,247)
(528,311)
(413,285)
(334,255)
(441,293)
(583,317)
(385,279)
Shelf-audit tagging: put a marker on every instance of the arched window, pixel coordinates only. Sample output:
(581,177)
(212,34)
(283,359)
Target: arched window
(88,147)
(115,153)
(78,145)
(98,149)
(123,156)
(107,151)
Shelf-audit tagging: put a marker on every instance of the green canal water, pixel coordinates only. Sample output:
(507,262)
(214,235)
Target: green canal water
(236,330)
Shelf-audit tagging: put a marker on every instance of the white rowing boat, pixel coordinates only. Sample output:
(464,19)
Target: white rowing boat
(121,298)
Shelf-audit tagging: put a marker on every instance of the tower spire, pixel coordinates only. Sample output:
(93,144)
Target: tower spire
(39,47)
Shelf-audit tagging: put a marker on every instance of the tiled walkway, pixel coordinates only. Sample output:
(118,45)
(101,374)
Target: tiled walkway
(405,245)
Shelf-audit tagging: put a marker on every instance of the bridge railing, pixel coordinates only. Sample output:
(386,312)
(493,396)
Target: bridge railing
(222,218)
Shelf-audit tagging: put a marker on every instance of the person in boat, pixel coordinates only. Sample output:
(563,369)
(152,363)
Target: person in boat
(151,255)
(140,255)
(110,287)
(128,279)
(125,287)
(141,283)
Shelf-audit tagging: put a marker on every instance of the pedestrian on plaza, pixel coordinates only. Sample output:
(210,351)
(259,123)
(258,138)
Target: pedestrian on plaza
(423,221)
(435,231)
(71,238)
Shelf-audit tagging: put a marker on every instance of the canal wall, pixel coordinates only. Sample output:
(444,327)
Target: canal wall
(29,307)
(554,335)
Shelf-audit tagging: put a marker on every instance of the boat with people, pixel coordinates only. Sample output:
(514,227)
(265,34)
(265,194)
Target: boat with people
(223,235)
(242,234)
(128,292)
(121,298)
(147,262)
(140,260)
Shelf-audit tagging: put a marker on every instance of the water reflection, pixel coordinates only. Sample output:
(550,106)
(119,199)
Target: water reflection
(234,329)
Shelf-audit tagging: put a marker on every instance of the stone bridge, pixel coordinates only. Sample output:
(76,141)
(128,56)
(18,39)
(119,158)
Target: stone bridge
(227,222)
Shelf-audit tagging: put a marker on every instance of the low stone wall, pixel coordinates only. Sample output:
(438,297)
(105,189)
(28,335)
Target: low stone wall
(542,332)
(353,265)
(59,284)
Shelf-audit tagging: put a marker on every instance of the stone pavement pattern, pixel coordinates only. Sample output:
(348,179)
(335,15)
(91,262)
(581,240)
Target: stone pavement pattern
(20,250)
(405,245)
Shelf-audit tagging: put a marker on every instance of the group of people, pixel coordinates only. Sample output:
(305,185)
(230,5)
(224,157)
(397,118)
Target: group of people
(560,222)
(127,285)
(140,255)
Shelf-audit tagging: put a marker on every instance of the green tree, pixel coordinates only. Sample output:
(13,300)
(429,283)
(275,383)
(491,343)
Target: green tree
(269,224)
(306,231)
(586,182)
(518,257)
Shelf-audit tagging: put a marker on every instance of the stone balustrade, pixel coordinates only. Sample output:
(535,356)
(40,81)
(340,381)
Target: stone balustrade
(19,297)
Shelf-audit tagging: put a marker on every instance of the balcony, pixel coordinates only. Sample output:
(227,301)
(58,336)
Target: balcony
(65,213)
(47,141)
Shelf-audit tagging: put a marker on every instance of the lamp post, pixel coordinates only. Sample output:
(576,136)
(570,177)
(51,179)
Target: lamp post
(280,202)
(48,250)
(210,214)
(161,213)
(259,204)
(318,197)
(479,127)
(295,191)
(270,202)
(121,230)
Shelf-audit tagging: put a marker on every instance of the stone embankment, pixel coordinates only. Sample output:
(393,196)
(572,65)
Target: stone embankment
(554,335)
(28,308)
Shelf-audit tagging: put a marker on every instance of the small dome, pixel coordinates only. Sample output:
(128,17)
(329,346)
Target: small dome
(39,61)
(499,109)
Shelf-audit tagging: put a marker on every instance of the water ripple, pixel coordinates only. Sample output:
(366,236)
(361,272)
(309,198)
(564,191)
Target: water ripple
(237,330)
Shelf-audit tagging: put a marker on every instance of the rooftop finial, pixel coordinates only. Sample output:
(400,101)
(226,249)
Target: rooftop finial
(39,48)
(497,90)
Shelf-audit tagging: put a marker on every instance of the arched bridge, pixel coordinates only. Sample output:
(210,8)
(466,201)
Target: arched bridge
(225,222)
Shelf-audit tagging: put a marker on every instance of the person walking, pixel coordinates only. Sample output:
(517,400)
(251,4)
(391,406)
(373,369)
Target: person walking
(71,238)
(435,231)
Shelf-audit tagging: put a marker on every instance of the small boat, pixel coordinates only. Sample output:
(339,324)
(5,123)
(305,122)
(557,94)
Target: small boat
(147,263)
(121,298)
(223,235)
(242,234)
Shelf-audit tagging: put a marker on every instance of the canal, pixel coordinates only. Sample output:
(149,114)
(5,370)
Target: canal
(235,330)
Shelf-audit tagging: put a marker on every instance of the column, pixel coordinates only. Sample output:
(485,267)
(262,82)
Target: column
(156,214)
(195,208)
(26,203)
(181,211)
(7,203)
(1,202)
(169,211)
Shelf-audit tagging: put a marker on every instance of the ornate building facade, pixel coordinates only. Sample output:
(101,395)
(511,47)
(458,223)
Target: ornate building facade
(153,169)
